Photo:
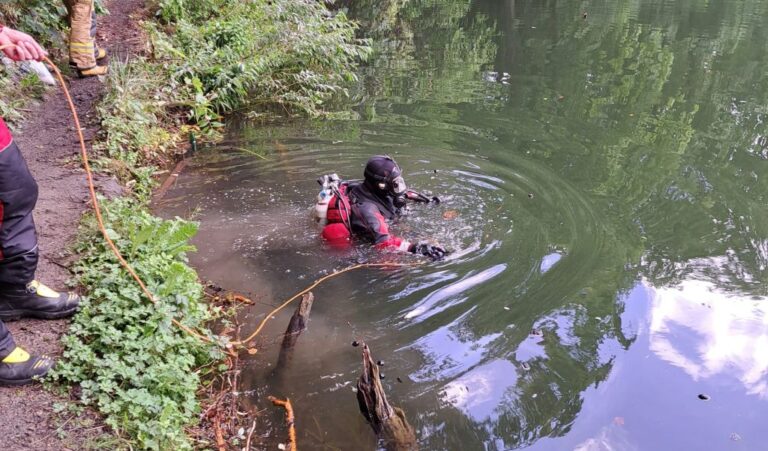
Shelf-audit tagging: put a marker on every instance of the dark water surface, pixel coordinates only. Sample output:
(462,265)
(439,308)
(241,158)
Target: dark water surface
(609,252)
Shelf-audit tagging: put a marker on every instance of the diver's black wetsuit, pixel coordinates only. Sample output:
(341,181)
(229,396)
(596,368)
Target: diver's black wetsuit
(362,208)
(369,215)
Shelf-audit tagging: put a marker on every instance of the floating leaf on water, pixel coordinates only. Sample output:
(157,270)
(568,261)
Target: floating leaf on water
(252,351)
(450,214)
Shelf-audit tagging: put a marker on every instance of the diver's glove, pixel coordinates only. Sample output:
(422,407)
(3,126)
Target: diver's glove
(429,250)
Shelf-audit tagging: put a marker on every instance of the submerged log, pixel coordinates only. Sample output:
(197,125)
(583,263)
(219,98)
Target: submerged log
(389,423)
(296,326)
(174,175)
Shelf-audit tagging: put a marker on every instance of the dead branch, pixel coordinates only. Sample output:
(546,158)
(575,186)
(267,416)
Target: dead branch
(250,434)
(289,420)
(219,434)
(389,423)
(296,326)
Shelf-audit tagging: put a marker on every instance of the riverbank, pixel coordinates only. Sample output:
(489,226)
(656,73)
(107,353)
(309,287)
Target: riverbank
(121,355)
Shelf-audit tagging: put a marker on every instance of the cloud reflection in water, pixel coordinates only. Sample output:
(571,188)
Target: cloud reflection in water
(706,332)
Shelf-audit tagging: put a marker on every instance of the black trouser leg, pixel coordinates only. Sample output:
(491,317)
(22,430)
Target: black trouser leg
(6,341)
(18,239)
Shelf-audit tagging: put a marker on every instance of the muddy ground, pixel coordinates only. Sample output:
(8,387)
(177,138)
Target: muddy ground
(49,143)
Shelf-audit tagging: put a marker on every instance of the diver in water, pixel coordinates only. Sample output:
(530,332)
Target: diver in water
(362,208)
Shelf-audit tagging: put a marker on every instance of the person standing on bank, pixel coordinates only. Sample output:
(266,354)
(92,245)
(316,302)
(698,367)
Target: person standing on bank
(20,294)
(83,52)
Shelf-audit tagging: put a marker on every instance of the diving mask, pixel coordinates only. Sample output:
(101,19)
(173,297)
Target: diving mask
(398,185)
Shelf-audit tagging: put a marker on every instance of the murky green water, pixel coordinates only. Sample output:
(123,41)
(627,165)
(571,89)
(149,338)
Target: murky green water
(610,249)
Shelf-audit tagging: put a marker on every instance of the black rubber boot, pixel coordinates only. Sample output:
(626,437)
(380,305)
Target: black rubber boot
(36,301)
(20,368)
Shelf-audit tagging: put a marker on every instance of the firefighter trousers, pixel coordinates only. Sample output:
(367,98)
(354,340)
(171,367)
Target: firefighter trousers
(82,22)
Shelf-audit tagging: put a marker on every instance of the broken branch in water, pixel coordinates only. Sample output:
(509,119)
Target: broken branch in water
(250,434)
(296,326)
(289,420)
(239,298)
(219,433)
(389,423)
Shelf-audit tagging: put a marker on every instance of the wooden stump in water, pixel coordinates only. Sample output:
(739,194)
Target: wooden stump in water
(296,326)
(389,423)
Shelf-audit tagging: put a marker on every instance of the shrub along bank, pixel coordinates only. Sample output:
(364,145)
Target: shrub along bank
(209,57)
(212,57)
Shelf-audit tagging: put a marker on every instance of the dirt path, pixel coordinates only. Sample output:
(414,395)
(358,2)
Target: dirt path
(50,146)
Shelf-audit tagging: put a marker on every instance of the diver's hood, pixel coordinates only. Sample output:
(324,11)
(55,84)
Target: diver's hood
(383,174)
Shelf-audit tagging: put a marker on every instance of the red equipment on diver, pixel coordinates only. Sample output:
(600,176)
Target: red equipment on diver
(333,209)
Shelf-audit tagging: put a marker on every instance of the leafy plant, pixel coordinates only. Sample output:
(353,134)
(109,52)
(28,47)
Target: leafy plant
(134,125)
(124,353)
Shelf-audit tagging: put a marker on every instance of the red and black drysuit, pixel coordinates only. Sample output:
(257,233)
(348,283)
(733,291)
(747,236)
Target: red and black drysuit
(365,214)
(18,240)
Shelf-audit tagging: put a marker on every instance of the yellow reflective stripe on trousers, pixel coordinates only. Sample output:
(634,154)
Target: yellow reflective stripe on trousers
(82,45)
(82,49)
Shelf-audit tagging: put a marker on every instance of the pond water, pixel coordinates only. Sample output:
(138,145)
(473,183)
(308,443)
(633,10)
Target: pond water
(603,172)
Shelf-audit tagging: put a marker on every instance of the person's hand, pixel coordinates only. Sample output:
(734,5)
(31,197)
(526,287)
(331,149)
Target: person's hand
(427,249)
(20,46)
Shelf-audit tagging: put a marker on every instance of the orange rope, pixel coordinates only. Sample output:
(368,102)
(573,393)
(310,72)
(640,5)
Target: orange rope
(289,420)
(316,283)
